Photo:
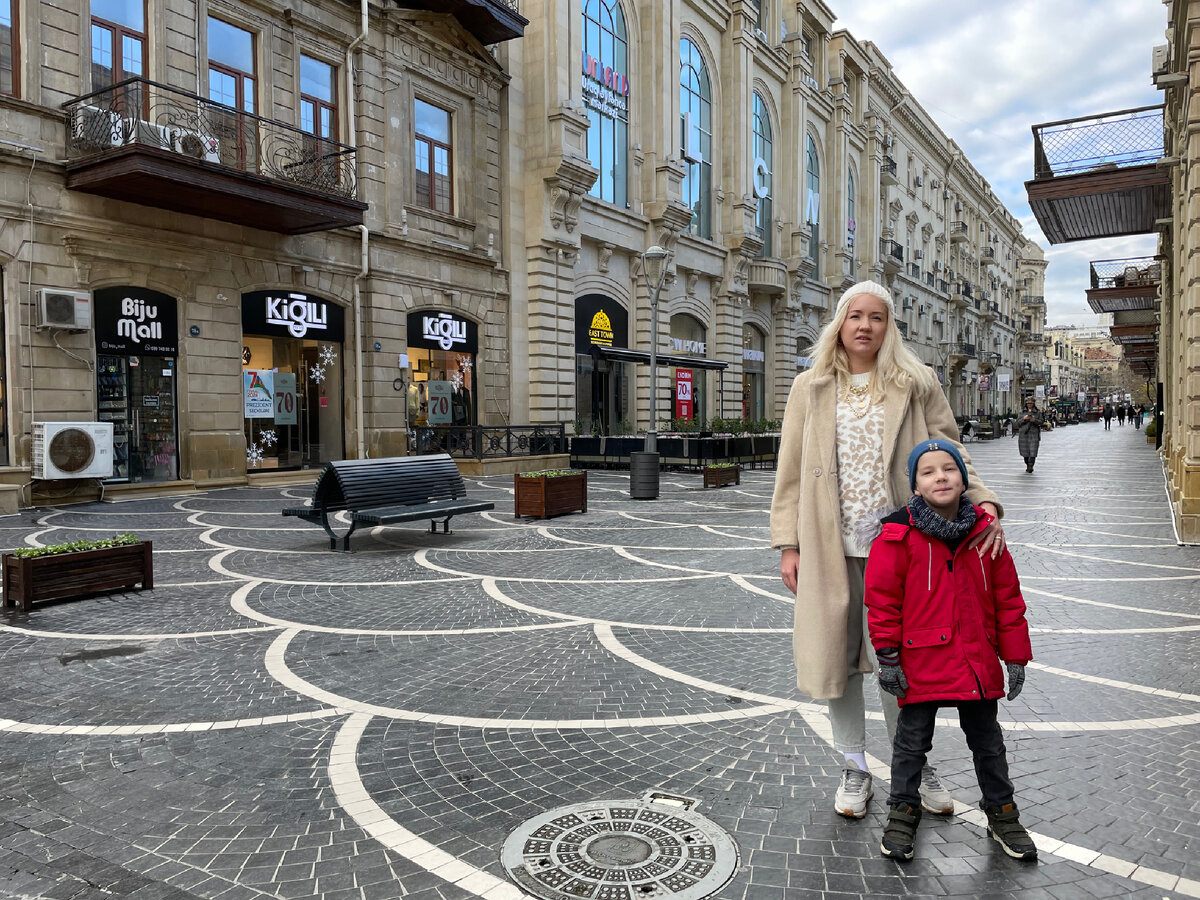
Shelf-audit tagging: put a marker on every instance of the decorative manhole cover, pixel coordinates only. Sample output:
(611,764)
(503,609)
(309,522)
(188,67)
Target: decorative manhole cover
(621,850)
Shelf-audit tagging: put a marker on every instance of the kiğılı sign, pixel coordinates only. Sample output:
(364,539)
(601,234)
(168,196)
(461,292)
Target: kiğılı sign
(442,331)
(292,314)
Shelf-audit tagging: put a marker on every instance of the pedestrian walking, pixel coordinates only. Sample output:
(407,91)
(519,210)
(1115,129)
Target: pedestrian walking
(941,618)
(1029,433)
(1136,413)
(1107,413)
(1120,413)
(837,475)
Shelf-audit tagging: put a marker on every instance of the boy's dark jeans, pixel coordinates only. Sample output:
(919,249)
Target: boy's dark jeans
(914,738)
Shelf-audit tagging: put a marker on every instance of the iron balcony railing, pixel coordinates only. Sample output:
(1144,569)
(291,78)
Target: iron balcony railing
(888,165)
(1034,300)
(891,249)
(943,286)
(1119,273)
(1116,140)
(143,113)
(987,253)
(958,228)
(961,348)
(930,279)
(488,441)
(965,288)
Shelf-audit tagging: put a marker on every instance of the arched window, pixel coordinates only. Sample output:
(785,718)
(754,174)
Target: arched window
(695,103)
(763,168)
(606,95)
(754,364)
(812,182)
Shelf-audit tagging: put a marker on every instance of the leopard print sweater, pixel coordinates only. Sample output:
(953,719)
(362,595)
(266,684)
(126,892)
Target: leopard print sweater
(862,482)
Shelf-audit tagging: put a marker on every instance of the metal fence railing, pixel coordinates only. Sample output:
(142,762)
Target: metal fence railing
(144,113)
(1129,137)
(892,249)
(1117,273)
(488,441)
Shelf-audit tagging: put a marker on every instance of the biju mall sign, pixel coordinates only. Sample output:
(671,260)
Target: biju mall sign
(292,314)
(136,322)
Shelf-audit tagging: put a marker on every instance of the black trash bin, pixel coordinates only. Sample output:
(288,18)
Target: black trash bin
(643,475)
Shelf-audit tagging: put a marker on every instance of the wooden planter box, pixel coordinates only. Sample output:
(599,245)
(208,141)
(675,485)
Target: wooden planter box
(29,579)
(719,476)
(543,497)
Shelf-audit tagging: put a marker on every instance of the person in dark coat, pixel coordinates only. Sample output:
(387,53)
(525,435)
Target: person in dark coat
(1029,433)
(1107,413)
(942,619)
(1120,413)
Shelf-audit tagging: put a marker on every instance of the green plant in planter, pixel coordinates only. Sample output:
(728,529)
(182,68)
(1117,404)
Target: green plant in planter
(1151,429)
(721,465)
(119,540)
(550,473)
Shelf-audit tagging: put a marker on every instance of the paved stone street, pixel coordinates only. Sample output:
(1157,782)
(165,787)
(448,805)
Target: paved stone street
(276,720)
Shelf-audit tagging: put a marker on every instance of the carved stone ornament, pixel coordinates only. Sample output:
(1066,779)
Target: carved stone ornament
(558,204)
(603,255)
(692,278)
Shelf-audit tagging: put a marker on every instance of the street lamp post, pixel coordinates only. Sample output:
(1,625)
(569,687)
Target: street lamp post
(654,269)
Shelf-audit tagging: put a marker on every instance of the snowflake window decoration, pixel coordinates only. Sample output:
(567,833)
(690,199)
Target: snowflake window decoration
(328,356)
(267,438)
(254,455)
(457,380)
(317,374)
(464,363)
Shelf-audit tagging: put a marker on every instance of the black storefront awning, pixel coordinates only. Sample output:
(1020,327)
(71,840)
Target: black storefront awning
(623,354)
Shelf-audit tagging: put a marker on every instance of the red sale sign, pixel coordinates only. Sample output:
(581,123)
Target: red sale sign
(683,393)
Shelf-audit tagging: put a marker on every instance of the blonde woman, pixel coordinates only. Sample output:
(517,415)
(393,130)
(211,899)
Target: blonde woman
(849,424)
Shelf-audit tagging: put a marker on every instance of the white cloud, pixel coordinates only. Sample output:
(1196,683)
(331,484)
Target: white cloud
(987,72)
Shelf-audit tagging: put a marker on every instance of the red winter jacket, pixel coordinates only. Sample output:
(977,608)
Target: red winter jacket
(953,616)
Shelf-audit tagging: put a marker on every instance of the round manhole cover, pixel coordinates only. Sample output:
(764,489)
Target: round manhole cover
(620,850)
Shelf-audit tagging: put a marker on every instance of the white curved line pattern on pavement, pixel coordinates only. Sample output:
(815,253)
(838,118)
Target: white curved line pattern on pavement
(572,538)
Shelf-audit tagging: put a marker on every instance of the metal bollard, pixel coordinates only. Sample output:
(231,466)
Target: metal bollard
(643,475)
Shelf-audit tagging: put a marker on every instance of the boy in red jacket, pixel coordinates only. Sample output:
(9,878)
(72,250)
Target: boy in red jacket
(941,617)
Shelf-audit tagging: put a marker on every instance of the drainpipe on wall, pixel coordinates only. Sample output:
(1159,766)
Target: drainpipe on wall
(359,391)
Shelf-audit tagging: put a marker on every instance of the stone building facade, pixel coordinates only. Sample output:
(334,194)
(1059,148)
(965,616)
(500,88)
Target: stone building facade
(779,161)
(188,177)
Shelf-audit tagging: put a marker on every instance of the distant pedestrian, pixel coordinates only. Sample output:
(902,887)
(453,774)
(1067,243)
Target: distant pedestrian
(920,577)
(1029,433)
(1120,413)
(1107,413)
(1136,413)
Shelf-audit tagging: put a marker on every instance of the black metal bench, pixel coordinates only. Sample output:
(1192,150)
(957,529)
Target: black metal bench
(387,491)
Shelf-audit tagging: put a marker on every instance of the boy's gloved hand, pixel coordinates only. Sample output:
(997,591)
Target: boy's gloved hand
(891,676)
(1016,679)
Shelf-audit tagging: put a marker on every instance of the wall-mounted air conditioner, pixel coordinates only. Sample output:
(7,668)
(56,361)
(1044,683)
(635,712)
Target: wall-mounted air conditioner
(934,183)
(94,128)
(906,303)
(946,194)
(958,206)
(60,308)
(72,450)
(887,142)
(1160,59)
(918,254)
(918,181)
(197,146)
(921,310)
(937,265)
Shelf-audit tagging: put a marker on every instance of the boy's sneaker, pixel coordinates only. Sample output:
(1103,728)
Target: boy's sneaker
(1006,830)
(900,832)
(934,798)
(854,792)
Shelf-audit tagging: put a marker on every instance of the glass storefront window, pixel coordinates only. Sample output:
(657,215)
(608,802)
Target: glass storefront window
(689,338)
(439,374)
(754,345)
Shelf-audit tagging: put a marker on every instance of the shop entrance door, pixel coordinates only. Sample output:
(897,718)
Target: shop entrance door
(137,394)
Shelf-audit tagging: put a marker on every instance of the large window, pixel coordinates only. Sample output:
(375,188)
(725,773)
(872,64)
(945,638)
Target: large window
(851,225)
(434,155)
(119,47)
(695,102)
(812,203)
(606,95)
(754,363)
(320,164)
(231,67)
(763,168)
(9,52)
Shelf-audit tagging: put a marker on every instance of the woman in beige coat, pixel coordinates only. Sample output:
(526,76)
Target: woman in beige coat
(850,423)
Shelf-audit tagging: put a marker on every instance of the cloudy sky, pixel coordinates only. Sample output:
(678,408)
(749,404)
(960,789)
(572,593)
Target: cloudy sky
(986,72)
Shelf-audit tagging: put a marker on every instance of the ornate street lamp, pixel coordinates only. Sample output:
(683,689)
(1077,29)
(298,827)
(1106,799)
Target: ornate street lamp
(654,269)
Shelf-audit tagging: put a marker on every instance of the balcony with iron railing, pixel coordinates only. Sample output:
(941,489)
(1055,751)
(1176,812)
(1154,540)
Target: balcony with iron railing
(960,293)
(154,145)
(1118,285)
(891,254)
(943,286)
(1098,176)
(987,256)
(931,279)
(1033,301)
(887,172)
(959,352)
(914,271)
(958,232)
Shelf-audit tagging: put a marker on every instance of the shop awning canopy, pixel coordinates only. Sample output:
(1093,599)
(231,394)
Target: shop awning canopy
(623,354)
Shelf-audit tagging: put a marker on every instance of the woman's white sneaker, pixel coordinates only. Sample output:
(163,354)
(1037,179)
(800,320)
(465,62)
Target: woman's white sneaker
(854,792)
(934,798)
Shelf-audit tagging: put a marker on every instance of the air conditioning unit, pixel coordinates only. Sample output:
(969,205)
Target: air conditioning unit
(946,194)
(921,310)
(72,450)
(887,142)
(934,183)
(918,181)
(59,308)
(918,254)
(197,146)
(94,128)
(907,303)
(937,265)
(1160,59)
(762,35)
(958,206)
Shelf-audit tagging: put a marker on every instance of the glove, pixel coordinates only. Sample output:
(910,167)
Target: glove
(891,676)
(1016,680)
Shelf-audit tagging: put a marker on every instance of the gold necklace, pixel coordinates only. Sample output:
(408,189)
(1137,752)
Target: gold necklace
(858,399)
